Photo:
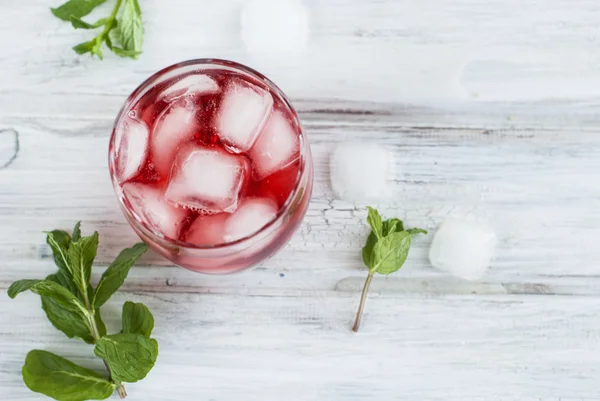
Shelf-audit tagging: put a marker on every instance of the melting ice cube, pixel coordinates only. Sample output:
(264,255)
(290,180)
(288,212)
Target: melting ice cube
(175,126)
(207,230)
(463,248)
(131,141)
(360,171)
(207,179)
(194,84)
(252,215)
(276,147)
(245,109)
(149,204)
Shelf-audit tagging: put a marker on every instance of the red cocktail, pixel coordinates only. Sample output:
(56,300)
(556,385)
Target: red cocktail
(210,165)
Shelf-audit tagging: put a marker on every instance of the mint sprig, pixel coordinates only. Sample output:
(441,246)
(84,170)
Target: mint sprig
(73,306)
(385,252)
(122,31)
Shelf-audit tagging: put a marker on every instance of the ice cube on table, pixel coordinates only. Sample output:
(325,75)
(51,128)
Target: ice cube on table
(193,84)
(207,179)
(207,230)
(276,147)
(131,140)
(252,215)
(245,109)
(153,209)
(463,248)
(360,172)
(174,127)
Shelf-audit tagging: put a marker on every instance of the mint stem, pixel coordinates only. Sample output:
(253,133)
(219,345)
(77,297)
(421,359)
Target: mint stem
(108,26)
(363,298)
(96,335)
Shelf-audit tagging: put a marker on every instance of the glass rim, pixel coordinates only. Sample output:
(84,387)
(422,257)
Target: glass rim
(147,85)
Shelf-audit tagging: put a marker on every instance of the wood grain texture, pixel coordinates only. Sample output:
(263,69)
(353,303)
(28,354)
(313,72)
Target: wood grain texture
(490,108)
(300,347)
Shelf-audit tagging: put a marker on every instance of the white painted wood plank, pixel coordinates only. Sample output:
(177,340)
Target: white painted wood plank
(505,50)
(536,186)
(301,348)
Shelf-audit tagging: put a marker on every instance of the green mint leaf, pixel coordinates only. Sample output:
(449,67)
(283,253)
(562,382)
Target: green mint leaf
(100,323)
(76,236)
(413,231)
(125,53)
(116,273)
(78,23)
(76,8)
(367,251)
(85,47)
(81,255)
(64,279)
(374,220)
(137,319)
(72,324)
(390,252)
(113,36)
(129,356)
(389,227)
(61,379)
(131,28)
(59,241)
(379,229)
(47,288)
(392,225)
(21,286)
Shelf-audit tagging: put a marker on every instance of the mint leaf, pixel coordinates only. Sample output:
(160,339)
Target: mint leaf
(388,226)
(78,23)
(116,273)
(47,288)
(131,29)
(59,242)
(129,356)
(391,252)
(60,277)
(84,47)
(76,236)
(72,324)
(99,323)
(137,319)
(413,231)
(21,286)
(367,251)
(76,8)
(81,255)
(374,220)
(392,225)
(125,53)
(61,379)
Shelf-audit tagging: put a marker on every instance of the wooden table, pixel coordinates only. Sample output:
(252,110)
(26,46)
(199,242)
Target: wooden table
(491,107)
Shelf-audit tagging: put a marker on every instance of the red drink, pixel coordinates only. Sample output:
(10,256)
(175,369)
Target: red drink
(210,165)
